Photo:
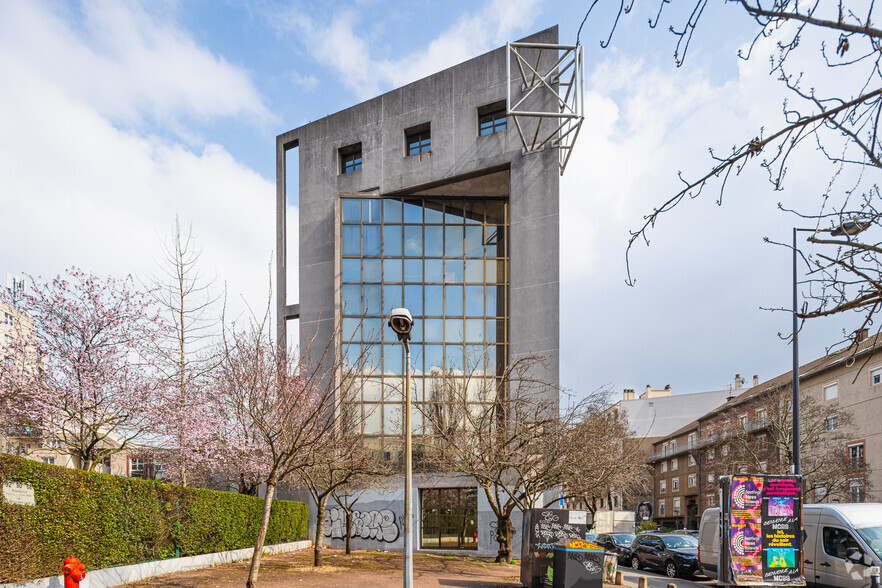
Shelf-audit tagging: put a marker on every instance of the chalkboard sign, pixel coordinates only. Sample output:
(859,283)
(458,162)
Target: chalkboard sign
(543,527)
(762,531)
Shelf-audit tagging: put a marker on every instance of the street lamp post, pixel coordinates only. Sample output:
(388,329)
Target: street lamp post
(846,229)
(401,322)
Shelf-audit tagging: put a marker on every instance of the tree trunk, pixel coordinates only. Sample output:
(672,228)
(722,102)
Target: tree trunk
(261,534)
(319,533)
(348,532)
(505,533)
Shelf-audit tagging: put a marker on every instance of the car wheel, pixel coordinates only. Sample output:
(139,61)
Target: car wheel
(671,569)
(635,562)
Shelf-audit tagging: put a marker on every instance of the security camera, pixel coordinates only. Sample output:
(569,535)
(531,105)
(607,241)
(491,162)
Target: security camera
(401,322)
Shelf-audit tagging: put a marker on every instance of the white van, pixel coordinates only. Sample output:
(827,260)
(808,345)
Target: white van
(841,542)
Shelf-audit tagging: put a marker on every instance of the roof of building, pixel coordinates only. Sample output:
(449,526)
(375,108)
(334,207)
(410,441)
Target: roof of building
(811,369)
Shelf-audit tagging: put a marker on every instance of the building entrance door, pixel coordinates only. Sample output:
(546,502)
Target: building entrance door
(449,518)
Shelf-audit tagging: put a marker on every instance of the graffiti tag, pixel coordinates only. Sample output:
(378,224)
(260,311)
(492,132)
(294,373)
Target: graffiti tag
(379,525)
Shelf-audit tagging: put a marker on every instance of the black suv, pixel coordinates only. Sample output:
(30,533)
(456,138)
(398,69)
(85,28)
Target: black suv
(677,555)
(618,543)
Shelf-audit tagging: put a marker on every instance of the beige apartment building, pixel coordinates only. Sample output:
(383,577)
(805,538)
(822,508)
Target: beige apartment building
(841,400)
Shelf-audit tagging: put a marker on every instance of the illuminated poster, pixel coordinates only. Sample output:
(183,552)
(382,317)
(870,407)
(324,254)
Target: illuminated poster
(762,518)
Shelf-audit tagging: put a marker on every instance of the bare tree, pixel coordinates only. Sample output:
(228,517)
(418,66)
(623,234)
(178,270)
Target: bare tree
(508,434)
(604,459)
(826,56)
(184,357)
(342,461)
(282,405)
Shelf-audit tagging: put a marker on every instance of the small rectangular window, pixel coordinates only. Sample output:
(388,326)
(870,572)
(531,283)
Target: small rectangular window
(675,485)
(664,466)
(692,480)
(418,140)
(661,508)
(350,158)
(876,376)
(676,507)
(492,118)
(710,499)
(8,319)
(742,421)
(831,391)
(691,460)
(761,416)
(663,486)
(831,423)
(710,478)
(674,464)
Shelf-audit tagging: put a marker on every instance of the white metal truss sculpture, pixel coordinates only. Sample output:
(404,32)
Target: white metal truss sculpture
(552,86)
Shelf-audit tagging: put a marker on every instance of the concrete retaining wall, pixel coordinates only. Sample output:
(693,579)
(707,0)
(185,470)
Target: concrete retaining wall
(124,574)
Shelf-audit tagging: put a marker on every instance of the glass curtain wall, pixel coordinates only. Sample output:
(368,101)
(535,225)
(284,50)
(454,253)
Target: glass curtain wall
(446,260)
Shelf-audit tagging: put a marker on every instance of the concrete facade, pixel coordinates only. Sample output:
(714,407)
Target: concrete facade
(461,163)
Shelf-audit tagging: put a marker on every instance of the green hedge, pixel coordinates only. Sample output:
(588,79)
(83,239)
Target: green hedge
(109,520)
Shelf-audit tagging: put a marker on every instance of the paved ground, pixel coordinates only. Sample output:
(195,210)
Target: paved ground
(659,580)
(363,569)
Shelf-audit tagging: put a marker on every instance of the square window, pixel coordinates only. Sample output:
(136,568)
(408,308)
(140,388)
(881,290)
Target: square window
(492,118)
(350,158)
(418,140)
(831,391)
(876,376)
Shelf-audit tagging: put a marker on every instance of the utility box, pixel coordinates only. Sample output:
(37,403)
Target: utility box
(543,528)
(577,564)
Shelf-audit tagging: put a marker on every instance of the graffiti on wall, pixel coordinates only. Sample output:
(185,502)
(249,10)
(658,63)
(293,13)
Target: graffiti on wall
(379,525)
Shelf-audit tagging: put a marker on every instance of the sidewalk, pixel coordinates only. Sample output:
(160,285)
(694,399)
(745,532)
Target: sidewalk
(363,569)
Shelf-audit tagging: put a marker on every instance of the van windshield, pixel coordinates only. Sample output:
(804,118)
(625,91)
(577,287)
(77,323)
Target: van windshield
(873,537)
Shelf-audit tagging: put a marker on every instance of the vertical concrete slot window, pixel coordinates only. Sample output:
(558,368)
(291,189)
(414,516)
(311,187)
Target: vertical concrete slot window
(492,118)
(418,140)
(350,158)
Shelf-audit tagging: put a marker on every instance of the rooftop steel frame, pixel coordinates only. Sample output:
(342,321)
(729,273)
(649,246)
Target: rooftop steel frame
(563,79)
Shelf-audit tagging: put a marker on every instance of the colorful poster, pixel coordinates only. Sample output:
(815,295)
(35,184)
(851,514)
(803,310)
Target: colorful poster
(762,518)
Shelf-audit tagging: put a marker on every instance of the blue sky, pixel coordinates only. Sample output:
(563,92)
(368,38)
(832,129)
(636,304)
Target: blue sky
(115,116)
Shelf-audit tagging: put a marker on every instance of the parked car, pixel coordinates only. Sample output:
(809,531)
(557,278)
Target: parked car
(676,555)
(693,532)
(618,543)
(590,537)
(840,543)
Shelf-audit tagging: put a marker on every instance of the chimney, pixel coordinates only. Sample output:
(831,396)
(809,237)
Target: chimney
(755,380)
(628,394)
(861,335)
(737,381)
(667,386)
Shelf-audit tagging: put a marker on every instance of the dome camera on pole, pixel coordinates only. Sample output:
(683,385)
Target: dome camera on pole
(401,322)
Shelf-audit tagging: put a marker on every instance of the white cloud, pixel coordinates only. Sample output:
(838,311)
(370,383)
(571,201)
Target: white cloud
(338,45)
(127,63)
(77,189)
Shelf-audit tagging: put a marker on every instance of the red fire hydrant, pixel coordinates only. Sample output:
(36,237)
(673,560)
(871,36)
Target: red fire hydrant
(74,572)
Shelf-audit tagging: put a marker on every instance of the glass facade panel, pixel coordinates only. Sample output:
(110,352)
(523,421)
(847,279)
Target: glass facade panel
(445,259)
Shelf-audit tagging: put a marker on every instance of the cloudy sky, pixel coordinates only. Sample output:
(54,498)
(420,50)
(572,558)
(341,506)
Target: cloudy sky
(117,116)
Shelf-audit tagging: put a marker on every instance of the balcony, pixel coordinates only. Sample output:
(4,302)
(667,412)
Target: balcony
(751,427)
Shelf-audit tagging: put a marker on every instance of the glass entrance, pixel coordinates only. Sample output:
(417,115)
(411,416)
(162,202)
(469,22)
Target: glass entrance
(449,518)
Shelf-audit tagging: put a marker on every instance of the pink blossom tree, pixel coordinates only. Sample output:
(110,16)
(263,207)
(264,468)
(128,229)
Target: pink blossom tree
(279,410)
(81,384)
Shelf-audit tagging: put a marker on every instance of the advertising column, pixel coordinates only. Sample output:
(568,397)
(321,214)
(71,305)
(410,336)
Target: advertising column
(762,524)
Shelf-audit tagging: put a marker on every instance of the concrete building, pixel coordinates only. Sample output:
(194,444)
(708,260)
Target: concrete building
(424,197)
(739,437)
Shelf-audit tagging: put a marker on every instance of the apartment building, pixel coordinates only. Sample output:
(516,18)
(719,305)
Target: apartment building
(840,398)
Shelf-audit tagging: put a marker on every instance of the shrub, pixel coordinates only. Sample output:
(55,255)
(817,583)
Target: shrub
(109,520)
